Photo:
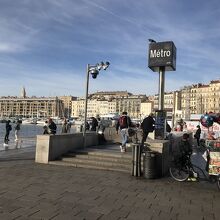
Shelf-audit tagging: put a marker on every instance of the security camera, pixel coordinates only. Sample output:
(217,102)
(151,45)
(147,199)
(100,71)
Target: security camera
(106,65)
(94,73)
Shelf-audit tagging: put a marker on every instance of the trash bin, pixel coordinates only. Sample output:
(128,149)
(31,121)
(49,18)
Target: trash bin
(150,165)
(136,160)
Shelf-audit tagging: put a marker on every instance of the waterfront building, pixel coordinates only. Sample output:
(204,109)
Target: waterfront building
(109,95)
(200,98)
(146,108)
(102,103)
(23,106)
(31,107)
(94,107)
(130,104)
(67,105)
(172,104)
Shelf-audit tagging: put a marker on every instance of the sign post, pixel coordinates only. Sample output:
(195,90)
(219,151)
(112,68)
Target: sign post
(161,58)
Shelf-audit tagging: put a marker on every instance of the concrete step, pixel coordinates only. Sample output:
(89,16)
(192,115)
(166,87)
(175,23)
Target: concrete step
(107,158)
(89,166)
(98,158)
(103,153)
(99,162)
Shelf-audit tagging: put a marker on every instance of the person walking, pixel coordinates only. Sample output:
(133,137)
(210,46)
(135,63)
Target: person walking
(17,129)
(147,126)
(52,128)
(8,128)
(197,135)
(123,123)
(64,126)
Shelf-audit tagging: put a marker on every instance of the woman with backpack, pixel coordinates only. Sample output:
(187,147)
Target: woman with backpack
(123,123)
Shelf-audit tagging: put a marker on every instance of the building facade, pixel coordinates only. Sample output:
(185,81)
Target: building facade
(172,103)
(94,107)
(109,102)
(200,98)
(67,105)
(146,108)
(31,107)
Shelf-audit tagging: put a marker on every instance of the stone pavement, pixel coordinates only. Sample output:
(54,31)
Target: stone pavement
(30,191)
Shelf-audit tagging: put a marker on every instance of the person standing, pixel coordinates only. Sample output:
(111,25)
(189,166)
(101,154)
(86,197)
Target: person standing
(68,126)
(123,123)
(94,124)
(45,127)
(184,127)
(8,128)
(101,130)
(64,126)
(17,129)
(197,135)
(147,126)
(52,126)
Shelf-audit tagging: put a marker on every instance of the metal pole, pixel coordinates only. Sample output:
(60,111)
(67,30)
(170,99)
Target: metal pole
(161,88)
(174,109)
(86,101)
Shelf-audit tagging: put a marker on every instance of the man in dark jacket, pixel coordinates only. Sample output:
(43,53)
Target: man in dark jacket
(52,126)
(8,128)
(147,126)
(94,124)
(185,148)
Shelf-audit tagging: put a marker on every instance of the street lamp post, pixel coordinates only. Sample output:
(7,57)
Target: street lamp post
(94,71)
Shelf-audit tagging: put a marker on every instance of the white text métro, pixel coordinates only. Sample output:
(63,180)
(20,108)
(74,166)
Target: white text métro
(160,53)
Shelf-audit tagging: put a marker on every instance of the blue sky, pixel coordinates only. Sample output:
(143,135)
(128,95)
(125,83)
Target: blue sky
(45,45)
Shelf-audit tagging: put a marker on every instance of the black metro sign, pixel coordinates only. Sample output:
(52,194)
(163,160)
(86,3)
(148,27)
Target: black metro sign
(162,54)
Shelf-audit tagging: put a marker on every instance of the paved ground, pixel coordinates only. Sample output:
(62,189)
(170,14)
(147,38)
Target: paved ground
(35,191)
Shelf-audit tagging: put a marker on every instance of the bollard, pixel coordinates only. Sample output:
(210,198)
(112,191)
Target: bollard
(136,160)
(150,166)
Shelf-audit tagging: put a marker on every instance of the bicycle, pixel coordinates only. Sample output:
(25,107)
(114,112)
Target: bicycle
(181,171)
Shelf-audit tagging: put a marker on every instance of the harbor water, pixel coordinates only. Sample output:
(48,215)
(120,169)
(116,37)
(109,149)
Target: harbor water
(27,135)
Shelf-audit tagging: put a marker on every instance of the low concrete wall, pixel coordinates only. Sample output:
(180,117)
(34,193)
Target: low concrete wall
(166,149)
(51,147)
(111,135)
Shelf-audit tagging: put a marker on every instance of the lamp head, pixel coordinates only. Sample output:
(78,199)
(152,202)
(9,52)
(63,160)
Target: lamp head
(105,65)
(94,73)
(99,66)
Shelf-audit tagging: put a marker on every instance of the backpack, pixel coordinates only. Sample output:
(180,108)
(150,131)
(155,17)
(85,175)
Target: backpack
(17,127)
(168,128)
(123,122)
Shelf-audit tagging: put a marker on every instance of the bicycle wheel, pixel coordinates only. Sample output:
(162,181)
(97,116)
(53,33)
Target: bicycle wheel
(179,173)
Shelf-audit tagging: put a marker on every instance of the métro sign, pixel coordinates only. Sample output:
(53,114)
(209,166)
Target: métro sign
(162,54)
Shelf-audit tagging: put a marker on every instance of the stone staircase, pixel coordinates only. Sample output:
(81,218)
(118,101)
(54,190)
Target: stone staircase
(103,158)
